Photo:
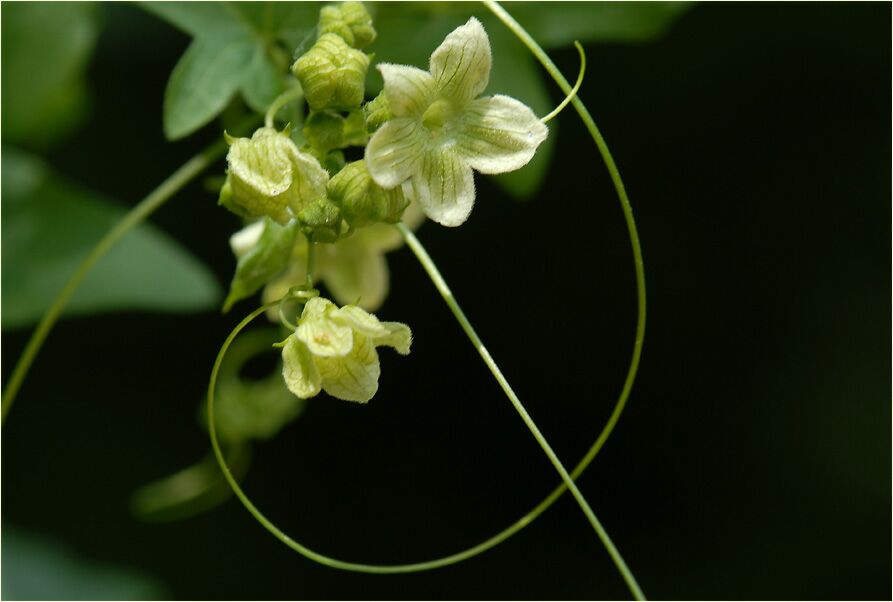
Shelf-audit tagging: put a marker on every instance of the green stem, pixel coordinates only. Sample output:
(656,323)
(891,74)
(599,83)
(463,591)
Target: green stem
(311,262)
(146,207)
(283,99)
(446,293)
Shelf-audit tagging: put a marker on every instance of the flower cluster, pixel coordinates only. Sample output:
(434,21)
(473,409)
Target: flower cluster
(315,216)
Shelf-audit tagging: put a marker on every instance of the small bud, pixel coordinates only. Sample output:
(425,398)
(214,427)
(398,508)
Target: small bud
(321,221)
(326,130)
(350,20)
(377,112)
(269,176)
(362,201)
(332,74)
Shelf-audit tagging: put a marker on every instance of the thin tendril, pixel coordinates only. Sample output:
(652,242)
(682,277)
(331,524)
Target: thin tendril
(573,93)
(140,212)
(283,99)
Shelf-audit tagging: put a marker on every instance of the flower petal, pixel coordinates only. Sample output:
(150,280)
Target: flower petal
(360,274)
(353,377)
(398,336)
(323,335)
(499,134)
(408,90)
(461,64)
(394,152)
(360,321)
(444,187)
(301,375)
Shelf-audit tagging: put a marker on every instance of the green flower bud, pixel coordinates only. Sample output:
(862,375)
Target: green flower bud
(321,221)
(269,176)
(350,20)
(377,111)
(326,130)
(362,201)
(332,74)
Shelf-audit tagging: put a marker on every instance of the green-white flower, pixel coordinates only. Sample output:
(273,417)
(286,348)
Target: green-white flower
(354,269)
(440,130)
(334,350)
(268,176)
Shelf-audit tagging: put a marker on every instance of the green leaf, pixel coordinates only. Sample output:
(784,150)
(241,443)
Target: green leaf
(200,19)
(263,82)
(46,48)
(235,49)
(203,82)
(264,260)
(48,227)
(39,568)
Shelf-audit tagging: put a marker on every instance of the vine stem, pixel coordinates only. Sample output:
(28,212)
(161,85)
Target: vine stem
(445,292)
(173,184)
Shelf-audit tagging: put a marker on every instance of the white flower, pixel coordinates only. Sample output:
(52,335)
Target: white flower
(440,130)
(335,350)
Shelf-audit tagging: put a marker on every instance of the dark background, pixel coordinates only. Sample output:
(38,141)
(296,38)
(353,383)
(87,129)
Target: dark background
(753,460)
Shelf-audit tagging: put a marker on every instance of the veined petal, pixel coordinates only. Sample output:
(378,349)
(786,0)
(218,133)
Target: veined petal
(301,375)
(323,336)
(499,134)
(394,152)
(408,90)
(361,321)
(353,377)
(461,64)
(309,182)
(444,187)
(398,336)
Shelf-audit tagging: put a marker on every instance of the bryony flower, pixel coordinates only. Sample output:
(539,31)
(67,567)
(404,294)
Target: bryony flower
(268,176)
(354,269)
(334,350)
(440,130)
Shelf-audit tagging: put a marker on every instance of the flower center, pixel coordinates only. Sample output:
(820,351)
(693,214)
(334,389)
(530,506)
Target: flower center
(438,114)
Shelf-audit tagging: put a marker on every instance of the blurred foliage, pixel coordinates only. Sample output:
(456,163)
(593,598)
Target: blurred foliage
(237,47)
(46,48)
(41,569)
(48,227)
(250,406)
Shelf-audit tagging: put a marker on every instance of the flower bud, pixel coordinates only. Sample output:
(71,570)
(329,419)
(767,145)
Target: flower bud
(377,111)
(350,20)
(269,176)
(332,74)
(321,221)
(362,201)
(326,131)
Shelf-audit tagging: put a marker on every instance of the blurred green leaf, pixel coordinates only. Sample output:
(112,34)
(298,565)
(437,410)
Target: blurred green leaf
(38,568)
(263,83)
(191,491)
(48,227)
(203,82)
(238,46)
(46,48)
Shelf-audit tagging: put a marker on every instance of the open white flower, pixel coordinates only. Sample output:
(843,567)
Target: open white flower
(334,349)
(440,130)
